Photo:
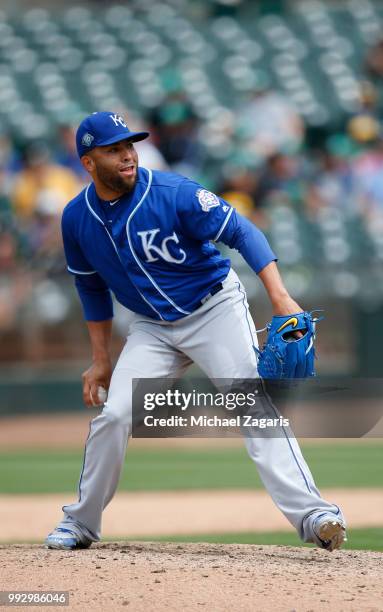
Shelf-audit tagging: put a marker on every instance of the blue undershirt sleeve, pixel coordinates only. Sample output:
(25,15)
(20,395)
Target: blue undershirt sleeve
(245,237)
(95,297)
(93,292)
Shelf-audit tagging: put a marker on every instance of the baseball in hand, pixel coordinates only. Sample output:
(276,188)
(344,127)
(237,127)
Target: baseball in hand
(102,394)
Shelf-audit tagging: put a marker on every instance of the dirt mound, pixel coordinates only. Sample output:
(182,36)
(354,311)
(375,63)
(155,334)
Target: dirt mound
(188,577)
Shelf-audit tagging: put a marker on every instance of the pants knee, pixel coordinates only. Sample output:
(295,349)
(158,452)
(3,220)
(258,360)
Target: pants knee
(115,416)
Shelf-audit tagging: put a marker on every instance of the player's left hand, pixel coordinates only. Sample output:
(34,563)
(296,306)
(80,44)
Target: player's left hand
(284,306)
(285,354)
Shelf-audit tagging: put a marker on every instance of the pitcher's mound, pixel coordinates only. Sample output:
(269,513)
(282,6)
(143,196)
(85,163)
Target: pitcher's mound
(160,577)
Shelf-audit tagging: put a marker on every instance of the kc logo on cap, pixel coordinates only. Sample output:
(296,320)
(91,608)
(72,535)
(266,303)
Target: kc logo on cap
(117,119)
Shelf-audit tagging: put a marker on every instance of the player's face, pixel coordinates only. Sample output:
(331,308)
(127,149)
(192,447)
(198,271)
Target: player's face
(115,166)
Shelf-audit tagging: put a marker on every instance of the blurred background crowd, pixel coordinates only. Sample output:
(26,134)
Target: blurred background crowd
(276,106)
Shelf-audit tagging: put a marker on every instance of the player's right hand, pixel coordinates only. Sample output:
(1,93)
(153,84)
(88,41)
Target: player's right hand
(98,375)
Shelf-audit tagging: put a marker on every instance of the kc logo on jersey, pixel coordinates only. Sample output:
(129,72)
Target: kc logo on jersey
(151,249)
(207,199)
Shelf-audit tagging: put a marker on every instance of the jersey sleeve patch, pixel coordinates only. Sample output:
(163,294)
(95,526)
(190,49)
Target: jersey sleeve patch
(207,199)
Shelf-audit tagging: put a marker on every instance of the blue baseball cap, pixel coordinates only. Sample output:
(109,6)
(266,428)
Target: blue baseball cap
(101,129)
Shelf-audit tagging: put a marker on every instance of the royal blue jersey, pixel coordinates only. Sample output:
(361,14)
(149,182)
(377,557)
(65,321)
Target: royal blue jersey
(153,248)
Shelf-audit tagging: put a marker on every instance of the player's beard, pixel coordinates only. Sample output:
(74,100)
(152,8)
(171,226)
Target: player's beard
(116,182)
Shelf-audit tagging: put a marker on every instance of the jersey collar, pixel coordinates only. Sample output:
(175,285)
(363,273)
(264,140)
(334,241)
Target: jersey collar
(99,207)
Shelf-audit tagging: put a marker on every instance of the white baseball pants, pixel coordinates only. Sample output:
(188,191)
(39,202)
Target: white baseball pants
(220,337)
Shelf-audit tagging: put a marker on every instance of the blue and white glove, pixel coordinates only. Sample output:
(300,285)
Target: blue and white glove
(285,355)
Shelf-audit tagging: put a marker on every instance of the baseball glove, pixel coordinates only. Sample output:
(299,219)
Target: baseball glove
(284,355)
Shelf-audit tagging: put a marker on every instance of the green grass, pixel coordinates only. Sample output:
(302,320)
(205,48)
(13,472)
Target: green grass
(358,539)
(176,469)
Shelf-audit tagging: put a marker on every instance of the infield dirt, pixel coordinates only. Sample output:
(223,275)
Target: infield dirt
(160,577)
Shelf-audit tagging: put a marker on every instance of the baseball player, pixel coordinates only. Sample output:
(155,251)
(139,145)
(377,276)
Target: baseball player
(148,237)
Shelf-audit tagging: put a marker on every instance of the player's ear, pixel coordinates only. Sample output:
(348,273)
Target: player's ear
(88,163)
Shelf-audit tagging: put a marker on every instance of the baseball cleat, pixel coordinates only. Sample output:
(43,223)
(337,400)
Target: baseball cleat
(65,539)
(332,534)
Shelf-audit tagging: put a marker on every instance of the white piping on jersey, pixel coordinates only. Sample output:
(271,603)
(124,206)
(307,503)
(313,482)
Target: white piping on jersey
(79,271)
(89,206)
(224,224)
(114,244)
(167,298)
(101,221)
